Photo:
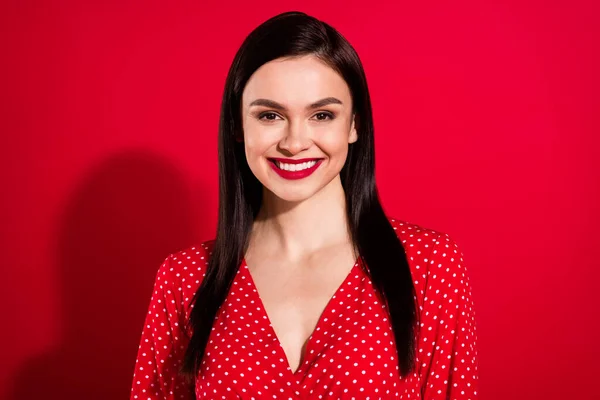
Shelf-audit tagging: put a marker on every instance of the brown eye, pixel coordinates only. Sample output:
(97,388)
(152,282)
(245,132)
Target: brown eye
(324,116)
(270,116)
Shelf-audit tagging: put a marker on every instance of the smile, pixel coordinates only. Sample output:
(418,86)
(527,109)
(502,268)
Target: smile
(295,171)
(295,167)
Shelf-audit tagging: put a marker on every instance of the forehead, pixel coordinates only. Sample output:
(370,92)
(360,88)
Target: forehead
(296,81)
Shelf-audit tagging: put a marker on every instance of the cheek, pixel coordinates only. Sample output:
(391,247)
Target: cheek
(334,142)
(255,142)
(253,152)
(256,146)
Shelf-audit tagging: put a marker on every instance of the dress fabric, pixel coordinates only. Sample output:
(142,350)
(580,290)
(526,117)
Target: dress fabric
(351,353)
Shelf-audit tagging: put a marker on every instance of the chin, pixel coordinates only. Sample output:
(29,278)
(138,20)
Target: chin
(292,191)
(292,196)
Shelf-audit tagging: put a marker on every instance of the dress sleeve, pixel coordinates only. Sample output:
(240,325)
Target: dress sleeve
(163,342)
(447,354)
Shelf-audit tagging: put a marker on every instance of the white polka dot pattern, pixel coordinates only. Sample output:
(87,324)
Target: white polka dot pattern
(350,354)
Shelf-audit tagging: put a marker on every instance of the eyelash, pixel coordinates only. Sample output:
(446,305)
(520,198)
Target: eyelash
(328,114)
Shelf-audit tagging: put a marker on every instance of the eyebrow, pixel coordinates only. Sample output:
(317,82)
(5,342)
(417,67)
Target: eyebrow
(280,107)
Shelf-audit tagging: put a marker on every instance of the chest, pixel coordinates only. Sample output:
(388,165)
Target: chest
(339,347)
(294,297)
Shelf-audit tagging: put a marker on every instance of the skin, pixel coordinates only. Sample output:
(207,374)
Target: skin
(300,250)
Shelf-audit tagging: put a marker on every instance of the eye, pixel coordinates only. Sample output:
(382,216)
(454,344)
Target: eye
(271,116)
(324,116)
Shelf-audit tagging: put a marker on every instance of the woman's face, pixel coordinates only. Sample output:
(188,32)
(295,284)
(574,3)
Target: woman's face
(282,118)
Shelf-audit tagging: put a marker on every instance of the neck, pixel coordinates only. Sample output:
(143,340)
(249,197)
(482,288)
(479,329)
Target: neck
(297,228)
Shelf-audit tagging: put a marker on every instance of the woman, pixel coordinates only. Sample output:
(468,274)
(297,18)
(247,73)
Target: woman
(309,289)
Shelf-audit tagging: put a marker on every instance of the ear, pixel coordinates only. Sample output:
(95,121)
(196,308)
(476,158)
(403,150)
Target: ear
(353,137)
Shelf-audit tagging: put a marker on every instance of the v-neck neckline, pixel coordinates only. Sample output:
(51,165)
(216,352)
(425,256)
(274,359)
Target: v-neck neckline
(308,344)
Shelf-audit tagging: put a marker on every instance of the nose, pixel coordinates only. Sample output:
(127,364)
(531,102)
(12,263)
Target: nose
(296,138)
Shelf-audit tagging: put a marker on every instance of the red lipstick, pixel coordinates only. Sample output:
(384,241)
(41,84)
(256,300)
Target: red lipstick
(292,161)
(294,174)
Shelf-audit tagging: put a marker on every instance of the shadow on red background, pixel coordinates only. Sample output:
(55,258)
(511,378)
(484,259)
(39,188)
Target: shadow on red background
(120,224)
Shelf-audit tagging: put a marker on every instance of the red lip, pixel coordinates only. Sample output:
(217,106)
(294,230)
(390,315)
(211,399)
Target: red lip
(291,161)
(295,174)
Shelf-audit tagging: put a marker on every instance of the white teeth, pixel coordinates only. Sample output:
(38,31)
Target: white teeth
(295,167)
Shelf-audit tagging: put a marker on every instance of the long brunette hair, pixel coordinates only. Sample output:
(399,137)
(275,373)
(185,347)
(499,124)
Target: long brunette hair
(240,194)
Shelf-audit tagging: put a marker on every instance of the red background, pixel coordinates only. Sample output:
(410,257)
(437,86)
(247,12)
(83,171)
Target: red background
(486,116)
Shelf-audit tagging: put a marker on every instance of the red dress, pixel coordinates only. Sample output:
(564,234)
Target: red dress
(351,352)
